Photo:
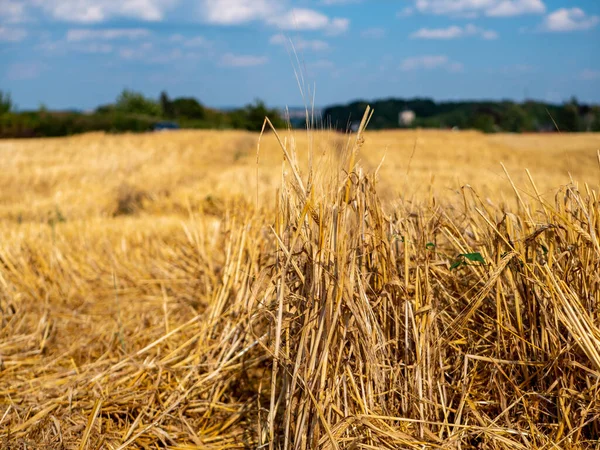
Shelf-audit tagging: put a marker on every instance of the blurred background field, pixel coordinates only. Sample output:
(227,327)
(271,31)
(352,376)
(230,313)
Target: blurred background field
(163,174)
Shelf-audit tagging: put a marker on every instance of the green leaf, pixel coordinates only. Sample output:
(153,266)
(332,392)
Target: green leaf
(456,264)
(545,249)
(475,257)
(430,245)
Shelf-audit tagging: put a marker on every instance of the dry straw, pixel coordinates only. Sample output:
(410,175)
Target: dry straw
(332,321)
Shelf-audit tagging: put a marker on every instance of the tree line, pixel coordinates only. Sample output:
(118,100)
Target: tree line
(131,112)
(486,116)
(134,112)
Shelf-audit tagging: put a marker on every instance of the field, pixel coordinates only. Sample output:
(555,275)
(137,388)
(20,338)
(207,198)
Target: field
(388,290)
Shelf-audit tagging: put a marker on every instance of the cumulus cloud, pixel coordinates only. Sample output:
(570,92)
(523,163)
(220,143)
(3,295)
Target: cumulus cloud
(192,42)
(235,12)
(95,11)
(272,12)
(473,8)
(510,8)
(8,34)
(569,19)
(308,19)
(12,11)
(454,32)
(429,62)
(233,60)
(299,43)
(87,34)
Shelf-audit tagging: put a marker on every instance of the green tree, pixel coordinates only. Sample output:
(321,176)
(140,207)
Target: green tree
(515,119)
(568,117)
(188,108)
(6,104)
(483,122)
(256,113)
(131,102)
(166,105)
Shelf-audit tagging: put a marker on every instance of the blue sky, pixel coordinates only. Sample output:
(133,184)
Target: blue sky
(81,53)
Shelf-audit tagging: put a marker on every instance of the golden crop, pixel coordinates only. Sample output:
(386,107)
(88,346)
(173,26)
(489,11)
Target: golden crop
(180,290)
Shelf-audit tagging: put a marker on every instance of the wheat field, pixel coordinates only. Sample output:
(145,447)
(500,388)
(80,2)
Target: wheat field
(218,289)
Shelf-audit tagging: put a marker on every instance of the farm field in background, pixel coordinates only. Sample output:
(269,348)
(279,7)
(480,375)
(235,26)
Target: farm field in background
(165,290)
(83,177)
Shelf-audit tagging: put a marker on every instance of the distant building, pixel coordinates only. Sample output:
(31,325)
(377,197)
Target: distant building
(406,118)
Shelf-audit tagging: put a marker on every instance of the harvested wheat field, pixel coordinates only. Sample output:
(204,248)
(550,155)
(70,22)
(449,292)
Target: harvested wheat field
(381,290)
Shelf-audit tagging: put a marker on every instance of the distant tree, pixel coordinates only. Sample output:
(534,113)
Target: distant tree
(166,105)
(188,108)
(483,122)
(256,113)
(6,104)
(131,102)
(514,118)
(568,116)
(104,109)
(595,119)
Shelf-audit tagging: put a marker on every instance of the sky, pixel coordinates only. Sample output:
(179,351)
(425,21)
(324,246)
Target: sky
(81,53)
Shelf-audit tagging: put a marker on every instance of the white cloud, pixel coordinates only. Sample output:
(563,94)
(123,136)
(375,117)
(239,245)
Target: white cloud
(510,8)
(196,42)
(308,19)
(300,19)
(373,33)
(24,70)
(438,33)
(569,19)
(340,2)
(232,60)
(429,62)
(406,12)
(337,25)
(12,34)
(146,54)
(234,12)
(95,47)
(128,53)
(454,32)
(62,47)
(299,43)
(272,12)
(190,42)
(489,35)
(473,8)
(12,11)
(590,75)
(87,34)
(94,11)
